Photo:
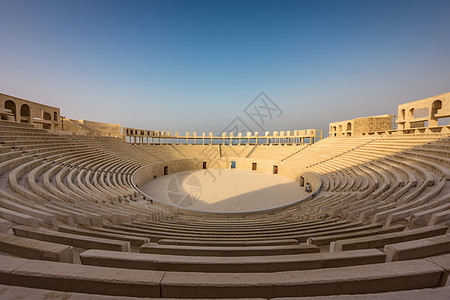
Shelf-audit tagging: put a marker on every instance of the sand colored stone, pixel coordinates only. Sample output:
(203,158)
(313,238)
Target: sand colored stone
(225,190)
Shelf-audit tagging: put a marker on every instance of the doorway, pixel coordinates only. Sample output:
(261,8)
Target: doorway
(166,170)
(204,165)
(275,169)
(233,164)
(254,166)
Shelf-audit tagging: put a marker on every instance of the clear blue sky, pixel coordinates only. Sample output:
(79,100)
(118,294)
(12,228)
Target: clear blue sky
(195,65)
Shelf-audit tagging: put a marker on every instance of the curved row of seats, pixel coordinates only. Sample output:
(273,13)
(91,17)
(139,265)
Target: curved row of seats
(388,185)
(72,222)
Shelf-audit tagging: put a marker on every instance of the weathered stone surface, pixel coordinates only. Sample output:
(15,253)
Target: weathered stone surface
(79,278)
(347,280)
(34,249)
(436,293)
(79,241)
(418,248)
(244,264)
(227,251)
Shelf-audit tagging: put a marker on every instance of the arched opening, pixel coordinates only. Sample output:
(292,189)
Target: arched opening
(437,105)
(411,113)
(48,117)
(55,116)
(10,106)
(402,114)
(349,126)
(25,115)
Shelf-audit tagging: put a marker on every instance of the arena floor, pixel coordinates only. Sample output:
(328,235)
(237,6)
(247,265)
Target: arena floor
(225,190)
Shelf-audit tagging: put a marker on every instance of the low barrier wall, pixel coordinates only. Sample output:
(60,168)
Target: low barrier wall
(287,169)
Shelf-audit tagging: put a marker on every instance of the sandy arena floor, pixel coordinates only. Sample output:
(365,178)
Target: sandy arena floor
(225,190)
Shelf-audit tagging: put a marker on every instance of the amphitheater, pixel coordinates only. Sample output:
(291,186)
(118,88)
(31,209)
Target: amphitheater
(361,214)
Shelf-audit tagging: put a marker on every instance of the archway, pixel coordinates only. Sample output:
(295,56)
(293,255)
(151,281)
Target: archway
(9,104)
(25,114)
(47,117)
(349,126)
(434,110)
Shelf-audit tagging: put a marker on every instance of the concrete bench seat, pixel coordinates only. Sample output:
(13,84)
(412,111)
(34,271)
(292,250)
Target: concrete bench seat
(134,240)
(419,204)
(379,241)
(12,163)
(239,227)
(227,251)
(227,243)
(413,198)
(434,207)
(440,217)
(5,156)
(28,211)
(372,278)
(325,240)
(78,278)
(192,234)
(18,218)
(435,163)
(19,292)
(241,232)
(91,218)
(5,225)
(79,241)
(34,249)
(418,248)
(301,236)
(418,294)
(242,264)
(444,262)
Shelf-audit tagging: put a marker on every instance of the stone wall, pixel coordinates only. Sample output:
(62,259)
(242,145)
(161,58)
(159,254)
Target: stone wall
(372,124)
(13,109)
(360,126)
(424,113)
(92,128)
(287,169)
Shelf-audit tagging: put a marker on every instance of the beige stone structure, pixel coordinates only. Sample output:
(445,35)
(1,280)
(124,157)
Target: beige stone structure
(76,222)
(92,128)
(429,115)
(425,112)
(19,110)
(360,126)
(296,137)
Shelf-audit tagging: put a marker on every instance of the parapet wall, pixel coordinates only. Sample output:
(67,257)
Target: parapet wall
(92,128)
(141,136)
(360,126)
(424,113)
(19,110)
(429,115)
